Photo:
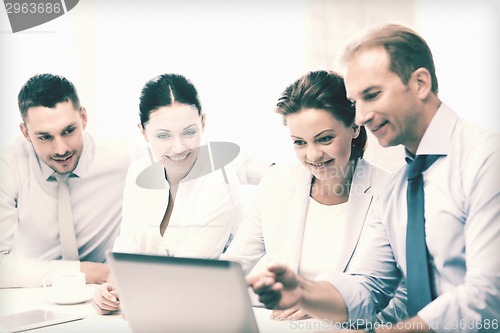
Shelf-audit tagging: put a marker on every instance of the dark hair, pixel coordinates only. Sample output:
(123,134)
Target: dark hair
(323,90)
(165,90)
(407,50)
(46,90)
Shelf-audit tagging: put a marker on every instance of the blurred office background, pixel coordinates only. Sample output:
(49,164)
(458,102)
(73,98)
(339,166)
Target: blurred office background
(241,55)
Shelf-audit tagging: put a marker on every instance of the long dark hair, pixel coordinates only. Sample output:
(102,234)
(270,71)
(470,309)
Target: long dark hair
(165,90)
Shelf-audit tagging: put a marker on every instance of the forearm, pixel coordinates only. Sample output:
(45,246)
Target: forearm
(28,272)
(322,300)
(111,279)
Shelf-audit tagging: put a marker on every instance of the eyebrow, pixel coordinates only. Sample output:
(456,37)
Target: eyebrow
(317,135)
(64,129)
(166,130)
(364,92)
(42,133)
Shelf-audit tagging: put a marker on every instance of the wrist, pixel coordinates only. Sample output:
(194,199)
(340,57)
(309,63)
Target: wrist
(301,292)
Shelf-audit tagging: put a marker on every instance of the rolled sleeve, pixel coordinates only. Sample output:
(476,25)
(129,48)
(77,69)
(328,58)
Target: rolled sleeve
(372,278)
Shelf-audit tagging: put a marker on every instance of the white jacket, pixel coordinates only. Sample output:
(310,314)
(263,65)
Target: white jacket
(274,227)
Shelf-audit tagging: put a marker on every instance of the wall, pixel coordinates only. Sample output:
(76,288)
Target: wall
(240,55)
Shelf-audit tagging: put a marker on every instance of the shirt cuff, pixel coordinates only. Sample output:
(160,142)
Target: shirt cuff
(356,298)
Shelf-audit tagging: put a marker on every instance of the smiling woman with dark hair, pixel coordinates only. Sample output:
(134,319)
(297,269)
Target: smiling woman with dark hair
(311,216)
(177,205)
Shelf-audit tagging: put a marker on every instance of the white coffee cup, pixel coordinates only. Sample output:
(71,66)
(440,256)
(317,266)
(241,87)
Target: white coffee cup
(66,289)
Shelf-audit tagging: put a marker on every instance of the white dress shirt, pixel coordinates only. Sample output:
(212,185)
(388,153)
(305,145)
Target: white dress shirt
(462,227)
(29,233)
(206,213)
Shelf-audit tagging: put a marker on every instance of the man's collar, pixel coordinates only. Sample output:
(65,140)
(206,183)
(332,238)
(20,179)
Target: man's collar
(437,137)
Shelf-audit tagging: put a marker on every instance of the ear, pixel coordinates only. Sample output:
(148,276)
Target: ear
(356,130)
(25,132)
(203,116)
(83,116)
(423,81)
(143,131)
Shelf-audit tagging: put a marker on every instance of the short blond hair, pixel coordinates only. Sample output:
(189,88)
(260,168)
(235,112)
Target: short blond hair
(407,50)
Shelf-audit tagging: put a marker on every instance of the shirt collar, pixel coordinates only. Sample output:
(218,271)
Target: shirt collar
(82,167)
(437,137)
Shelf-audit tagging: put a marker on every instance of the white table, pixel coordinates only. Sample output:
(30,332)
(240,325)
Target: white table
(23,299)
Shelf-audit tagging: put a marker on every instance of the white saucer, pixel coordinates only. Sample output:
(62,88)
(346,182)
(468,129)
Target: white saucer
(88,294)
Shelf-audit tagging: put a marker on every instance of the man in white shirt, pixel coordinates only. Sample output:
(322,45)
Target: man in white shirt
(391,79)
(55,144)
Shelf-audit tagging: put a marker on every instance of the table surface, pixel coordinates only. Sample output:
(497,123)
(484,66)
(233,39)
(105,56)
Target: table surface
(22,299)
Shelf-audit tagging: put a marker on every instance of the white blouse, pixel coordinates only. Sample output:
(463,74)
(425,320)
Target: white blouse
(324,238)
(206,214)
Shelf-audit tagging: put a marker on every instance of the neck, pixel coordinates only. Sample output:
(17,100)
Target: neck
(334,190)
(173,179)
(431,105)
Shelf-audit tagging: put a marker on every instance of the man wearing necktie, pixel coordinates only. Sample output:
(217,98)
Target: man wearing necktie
(60,191)
(437,225)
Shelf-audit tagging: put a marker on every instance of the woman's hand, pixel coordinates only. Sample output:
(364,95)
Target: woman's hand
(106,299)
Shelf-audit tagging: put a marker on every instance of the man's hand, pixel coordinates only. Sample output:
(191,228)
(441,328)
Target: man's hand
(278,287)
(94,272)
(293,313)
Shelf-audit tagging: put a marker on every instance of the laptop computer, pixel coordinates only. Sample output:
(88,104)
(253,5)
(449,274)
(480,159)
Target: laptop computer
(169,294)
